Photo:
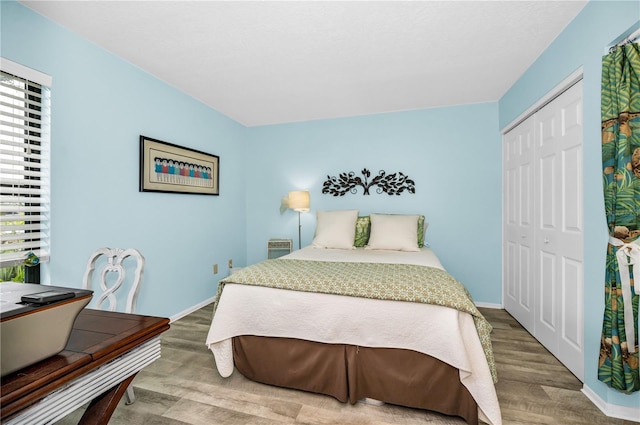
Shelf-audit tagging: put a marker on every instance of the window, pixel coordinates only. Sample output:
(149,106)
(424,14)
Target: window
(24,166)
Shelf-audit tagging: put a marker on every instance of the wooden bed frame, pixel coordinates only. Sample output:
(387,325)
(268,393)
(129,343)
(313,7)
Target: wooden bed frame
(350,373)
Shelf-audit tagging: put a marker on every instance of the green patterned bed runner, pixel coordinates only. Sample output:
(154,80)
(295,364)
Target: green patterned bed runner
(398,282)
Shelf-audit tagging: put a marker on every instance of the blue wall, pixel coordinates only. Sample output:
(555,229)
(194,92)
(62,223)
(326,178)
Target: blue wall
(582,44)
(452,154)
(100,106)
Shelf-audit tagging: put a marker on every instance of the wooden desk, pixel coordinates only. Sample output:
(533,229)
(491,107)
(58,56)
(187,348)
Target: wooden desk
(104,353)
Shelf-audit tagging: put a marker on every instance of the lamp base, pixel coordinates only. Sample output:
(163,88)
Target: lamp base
(299,232)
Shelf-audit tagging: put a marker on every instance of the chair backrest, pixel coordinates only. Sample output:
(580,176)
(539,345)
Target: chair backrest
(114,258)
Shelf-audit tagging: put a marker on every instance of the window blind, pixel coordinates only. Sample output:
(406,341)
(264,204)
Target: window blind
(24,169)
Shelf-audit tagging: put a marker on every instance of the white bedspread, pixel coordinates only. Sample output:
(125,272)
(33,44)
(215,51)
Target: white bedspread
(262,311)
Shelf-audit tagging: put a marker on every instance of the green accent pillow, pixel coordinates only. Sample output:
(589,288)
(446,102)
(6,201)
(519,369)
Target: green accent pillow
(421,230)
(363,230)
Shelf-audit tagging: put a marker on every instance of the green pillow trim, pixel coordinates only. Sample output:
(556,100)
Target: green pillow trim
(363,230)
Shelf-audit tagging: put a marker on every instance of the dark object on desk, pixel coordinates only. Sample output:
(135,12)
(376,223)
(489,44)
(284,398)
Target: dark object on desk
(47,297)
(39,328)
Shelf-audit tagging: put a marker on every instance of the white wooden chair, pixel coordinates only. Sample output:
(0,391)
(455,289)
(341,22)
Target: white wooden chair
(113,259)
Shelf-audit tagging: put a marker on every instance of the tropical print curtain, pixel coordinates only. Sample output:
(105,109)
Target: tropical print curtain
(618,365)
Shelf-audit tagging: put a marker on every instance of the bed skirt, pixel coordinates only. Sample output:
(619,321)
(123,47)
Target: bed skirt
(350,373)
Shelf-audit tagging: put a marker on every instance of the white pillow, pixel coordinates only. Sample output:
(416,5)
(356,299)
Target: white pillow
(335,229)
(395,232)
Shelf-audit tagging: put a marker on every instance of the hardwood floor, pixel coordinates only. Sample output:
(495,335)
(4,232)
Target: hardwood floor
(183,387)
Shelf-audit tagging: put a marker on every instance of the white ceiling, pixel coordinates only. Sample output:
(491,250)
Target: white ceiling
(268,62)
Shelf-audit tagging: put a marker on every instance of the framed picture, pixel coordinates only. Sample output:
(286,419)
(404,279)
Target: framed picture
(165,167)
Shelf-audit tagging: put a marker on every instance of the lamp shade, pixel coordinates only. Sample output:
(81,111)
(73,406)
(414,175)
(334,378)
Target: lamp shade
(299,200)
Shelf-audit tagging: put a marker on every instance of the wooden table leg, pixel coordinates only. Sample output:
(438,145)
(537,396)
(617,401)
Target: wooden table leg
(101,408)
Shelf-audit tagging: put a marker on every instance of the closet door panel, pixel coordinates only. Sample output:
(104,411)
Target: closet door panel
(571,333)
(572,196)
(546,323)
(571,246)
(518,223)
(559,230)
(548,204)
(525,295)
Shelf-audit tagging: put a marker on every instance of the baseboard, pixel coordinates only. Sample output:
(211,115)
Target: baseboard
(489,305)
(190,310)
(612,410)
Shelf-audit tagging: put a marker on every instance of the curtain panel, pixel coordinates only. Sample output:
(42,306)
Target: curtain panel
(618,363)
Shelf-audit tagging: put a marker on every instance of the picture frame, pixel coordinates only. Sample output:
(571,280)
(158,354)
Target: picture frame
(166,167)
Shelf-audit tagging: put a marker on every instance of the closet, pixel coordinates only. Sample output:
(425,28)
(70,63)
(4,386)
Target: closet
(543,225)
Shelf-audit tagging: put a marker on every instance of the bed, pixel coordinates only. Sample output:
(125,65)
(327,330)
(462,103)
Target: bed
(359,323)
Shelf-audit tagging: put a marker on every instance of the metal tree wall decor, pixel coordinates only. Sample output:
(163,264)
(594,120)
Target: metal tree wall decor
(391,184)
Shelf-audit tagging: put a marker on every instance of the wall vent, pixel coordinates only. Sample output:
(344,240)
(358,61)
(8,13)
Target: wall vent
(278,247)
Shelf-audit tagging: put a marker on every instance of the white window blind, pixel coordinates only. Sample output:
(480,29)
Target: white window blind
(24,167)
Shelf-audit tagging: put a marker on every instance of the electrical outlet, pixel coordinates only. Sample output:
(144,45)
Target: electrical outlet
(215,269)
(230,264)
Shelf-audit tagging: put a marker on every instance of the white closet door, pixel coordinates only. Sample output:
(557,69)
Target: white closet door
(543,227)
(559,229)
(518,223)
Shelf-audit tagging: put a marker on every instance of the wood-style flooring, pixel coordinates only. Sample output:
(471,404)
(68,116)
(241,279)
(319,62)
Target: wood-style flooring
(183,387)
